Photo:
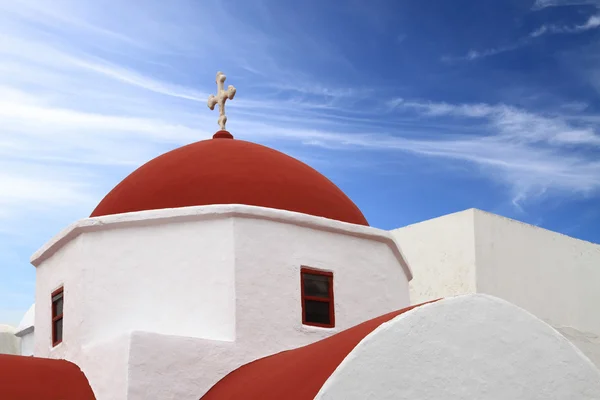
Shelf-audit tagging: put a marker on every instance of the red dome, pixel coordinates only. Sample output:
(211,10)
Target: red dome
(228,171)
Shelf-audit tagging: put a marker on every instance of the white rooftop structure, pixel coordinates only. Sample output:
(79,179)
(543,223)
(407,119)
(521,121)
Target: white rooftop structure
(9,342)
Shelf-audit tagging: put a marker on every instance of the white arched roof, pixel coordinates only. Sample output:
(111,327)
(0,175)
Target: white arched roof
(473,346)
(27,322)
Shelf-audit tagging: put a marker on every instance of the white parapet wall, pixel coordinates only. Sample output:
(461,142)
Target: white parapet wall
(551,275)
(441,253)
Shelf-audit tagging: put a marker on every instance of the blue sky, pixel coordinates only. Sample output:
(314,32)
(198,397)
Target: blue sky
(415,109)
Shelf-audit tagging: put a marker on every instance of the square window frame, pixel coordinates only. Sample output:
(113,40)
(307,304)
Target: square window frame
(329,300)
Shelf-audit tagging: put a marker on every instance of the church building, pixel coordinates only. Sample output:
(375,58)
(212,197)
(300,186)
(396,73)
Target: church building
(225,269)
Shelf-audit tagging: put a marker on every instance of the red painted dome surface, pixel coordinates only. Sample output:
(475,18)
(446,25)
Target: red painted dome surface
(228,171)
(296,374)
(42,378)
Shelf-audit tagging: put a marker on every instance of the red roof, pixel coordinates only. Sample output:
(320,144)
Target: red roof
(25,378)
(228,171)
(296,374)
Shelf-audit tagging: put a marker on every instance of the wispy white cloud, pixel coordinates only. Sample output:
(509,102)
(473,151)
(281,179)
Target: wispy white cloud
(541,4)
(593,22)
(514,123)
(476,54)
(529,151)
(444,109)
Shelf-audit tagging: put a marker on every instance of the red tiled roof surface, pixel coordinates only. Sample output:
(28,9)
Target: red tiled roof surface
(32,378)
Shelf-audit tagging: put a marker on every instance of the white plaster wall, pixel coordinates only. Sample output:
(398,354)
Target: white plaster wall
(468,347)
(9,342)
(106,366)
(553,276)
(368,281)
(172,278)
(67,267)
(441,254)
(28,344)
(177,368)
(230,274)
(64,268)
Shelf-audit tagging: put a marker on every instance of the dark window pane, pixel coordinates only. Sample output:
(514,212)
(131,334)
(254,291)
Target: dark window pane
(316,285)
(58,306)
(317,312)
(58,330)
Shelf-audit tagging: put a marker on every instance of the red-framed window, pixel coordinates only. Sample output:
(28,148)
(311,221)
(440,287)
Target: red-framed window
(317,298)
(57,316)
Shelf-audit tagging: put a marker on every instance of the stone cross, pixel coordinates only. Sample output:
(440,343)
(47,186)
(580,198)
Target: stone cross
(220,98)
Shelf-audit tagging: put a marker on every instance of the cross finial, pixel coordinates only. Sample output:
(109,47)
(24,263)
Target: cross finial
(221,97)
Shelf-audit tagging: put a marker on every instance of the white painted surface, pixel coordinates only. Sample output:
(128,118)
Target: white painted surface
(106,366)
(227,275)
(553,276)
(64,269)
(25,331)
(468,347)
(9,342)
(368,281)
(27,344)
(175,367)
(441,253)
(174,279)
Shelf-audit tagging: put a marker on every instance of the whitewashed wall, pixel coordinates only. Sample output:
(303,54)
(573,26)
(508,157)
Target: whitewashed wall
(175,278)
(369,281)
(221,273)
(441,253)
(26,332)
(27,344)
(468,347)
(553,276)
(106,366)
(176,367)
(9,342)
(65,268)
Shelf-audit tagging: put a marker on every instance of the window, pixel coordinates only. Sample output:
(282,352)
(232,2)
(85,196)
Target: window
(57,316)
(317,298)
